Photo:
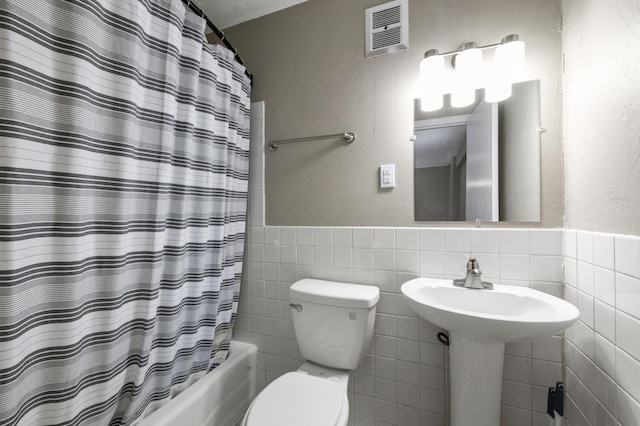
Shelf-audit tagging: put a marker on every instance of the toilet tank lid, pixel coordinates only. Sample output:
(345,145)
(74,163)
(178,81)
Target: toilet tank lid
(335,293)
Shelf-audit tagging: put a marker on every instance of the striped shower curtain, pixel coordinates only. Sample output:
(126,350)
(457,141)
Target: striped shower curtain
(123,180)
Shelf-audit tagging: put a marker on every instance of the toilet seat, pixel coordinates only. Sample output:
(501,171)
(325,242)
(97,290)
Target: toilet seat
(296,399)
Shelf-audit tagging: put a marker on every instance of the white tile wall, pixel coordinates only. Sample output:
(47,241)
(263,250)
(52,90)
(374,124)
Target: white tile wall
(602,275)
(403,379)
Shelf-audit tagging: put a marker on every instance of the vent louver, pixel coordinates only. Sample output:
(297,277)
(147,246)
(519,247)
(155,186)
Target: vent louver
(387,28)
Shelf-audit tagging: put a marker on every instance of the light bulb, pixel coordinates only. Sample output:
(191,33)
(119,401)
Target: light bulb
(431,81)
(509,57)
(498,85)
(507,68)
(467,74)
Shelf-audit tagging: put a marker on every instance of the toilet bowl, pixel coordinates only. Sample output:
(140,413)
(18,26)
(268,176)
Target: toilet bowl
(333,323)
(316,398)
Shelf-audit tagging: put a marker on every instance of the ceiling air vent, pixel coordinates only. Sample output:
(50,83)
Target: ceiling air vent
(387,28)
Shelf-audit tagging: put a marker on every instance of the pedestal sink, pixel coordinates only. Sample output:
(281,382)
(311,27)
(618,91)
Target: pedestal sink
(479,323)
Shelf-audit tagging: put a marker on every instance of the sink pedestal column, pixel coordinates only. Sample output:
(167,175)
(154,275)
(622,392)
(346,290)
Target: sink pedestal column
(476,381)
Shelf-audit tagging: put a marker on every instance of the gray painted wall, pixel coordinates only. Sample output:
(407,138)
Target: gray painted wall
(311,72)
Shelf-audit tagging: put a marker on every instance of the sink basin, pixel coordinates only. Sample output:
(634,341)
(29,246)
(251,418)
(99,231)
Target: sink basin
(504,314)
(480,322)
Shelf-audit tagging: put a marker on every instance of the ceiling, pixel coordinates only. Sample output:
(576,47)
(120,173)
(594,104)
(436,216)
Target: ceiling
(227,13)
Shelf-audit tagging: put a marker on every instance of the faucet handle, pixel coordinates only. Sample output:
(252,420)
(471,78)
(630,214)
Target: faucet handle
(472,264)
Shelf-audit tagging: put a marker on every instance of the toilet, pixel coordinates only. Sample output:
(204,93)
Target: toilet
(333,323)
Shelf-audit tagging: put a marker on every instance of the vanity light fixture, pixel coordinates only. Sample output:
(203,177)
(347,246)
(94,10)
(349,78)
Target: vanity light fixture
(469,73)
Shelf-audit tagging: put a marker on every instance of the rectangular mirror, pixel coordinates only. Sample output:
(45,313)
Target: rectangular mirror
(481,162)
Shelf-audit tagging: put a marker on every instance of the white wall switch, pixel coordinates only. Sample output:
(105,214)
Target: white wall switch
(388,176)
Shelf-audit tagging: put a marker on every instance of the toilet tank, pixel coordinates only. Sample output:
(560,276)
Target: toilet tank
(333,321)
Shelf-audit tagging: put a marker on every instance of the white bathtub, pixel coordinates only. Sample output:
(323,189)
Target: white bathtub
(218,399)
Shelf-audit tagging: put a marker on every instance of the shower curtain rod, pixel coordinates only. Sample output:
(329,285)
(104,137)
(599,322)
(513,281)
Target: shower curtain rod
(195,9)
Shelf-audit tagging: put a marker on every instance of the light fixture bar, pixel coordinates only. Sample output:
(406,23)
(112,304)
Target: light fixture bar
(470,73)
(506,39)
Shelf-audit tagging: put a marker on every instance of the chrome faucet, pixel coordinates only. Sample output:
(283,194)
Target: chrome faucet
(473,279)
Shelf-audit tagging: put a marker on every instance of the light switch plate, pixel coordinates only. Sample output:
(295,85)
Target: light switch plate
(388,176)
